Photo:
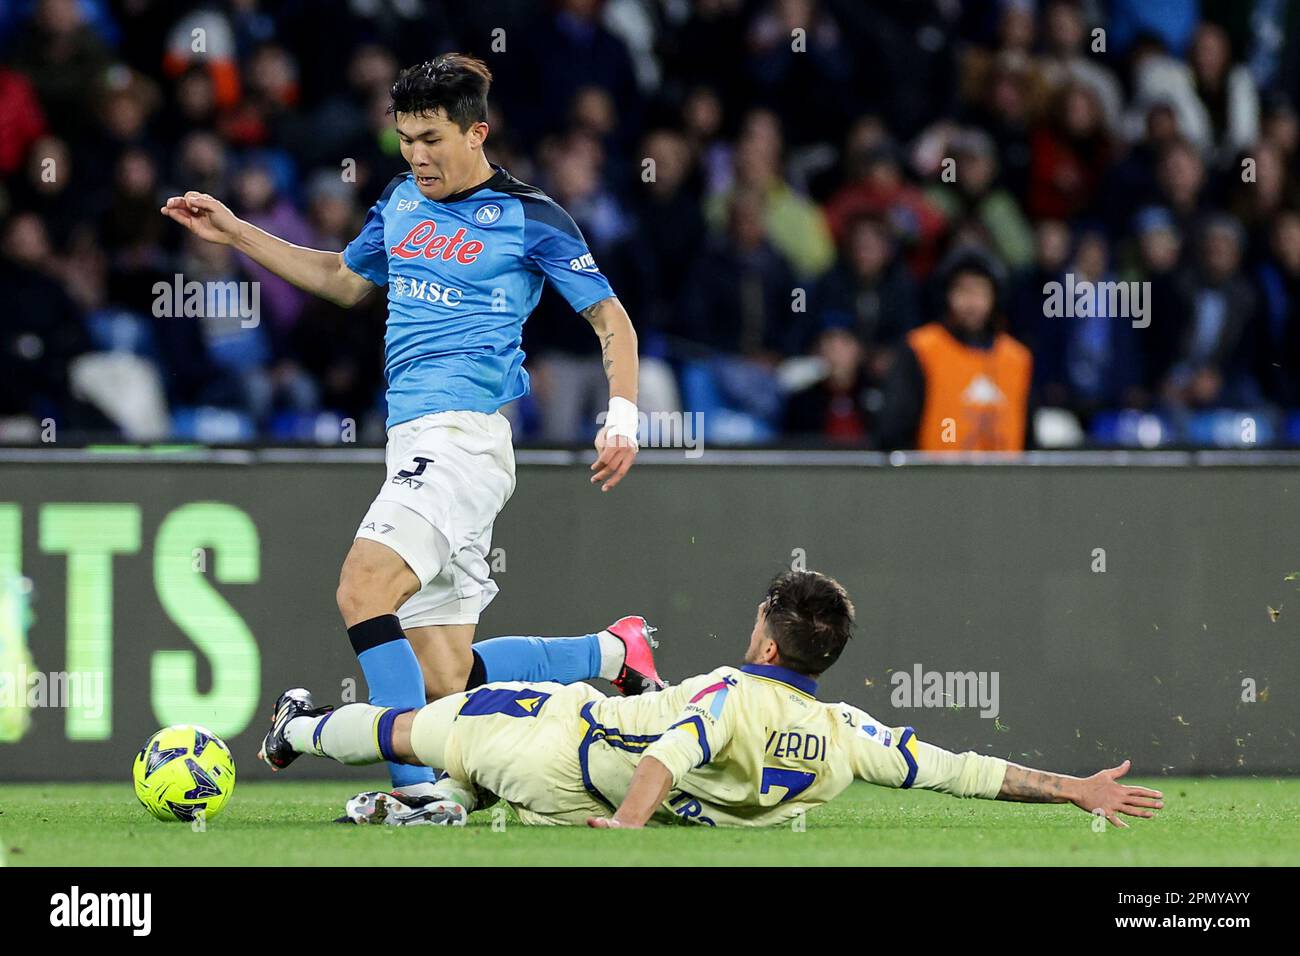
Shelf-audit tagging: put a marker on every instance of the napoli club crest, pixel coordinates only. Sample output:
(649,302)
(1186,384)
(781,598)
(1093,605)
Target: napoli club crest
(487,214)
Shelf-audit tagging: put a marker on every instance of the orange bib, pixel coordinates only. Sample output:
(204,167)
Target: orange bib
(975,399)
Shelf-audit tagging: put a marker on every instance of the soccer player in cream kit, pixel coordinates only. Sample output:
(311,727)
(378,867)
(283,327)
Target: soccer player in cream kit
(463,248)
(738,746)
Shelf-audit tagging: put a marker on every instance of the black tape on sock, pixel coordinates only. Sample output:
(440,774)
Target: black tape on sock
(374,632)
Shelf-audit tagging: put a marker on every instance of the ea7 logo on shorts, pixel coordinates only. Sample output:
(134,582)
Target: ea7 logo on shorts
(585,263)
(409,477)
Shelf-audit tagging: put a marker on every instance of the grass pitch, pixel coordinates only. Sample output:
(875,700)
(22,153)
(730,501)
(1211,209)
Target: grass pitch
(1207,822)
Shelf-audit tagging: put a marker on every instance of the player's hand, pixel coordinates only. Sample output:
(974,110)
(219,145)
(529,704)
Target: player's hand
(614,457)
(609,823)
(1103,791)
(204,216)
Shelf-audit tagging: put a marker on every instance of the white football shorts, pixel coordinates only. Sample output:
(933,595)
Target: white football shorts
(448,476)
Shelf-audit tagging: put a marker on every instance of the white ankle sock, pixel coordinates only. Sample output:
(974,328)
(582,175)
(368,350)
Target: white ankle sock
(348,735)
(613,652)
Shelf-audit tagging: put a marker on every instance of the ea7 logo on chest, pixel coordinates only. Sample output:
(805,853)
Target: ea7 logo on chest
(424,240)
(103,909)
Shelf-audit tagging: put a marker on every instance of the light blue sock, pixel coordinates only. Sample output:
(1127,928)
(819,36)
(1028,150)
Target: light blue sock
(394,677)
(564,660)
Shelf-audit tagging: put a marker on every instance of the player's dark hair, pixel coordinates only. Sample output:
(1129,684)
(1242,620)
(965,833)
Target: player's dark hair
(810,617)
(455,83)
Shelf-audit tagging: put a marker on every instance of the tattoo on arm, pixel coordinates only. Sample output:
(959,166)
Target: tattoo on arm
(604,353)
(1024,785)
(603,329)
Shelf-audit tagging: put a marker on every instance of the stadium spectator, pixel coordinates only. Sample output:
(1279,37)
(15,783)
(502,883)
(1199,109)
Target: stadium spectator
(961,384)
(1092,360)
(1215,357)
(342,350)
(202,159)
(572,49)
(43,332)
(708,52)
(1159,263)
(1071,150)
(1132,181)
(793,225)
(870,295)
(1052,245)
(47,190)
(1003,96)
(836,408)
(736,319)
(1226,91)
(258,200)
(62,56)
(1280,279)
(738,299)
(977,209)
(206,39)
(1261,193)
(1069,59)
(875,186)
(671,219)
(570,379)
(266,114)
(1159,78)
(22,122)
(126,224)
(332,212)
(1281,127)
(800,68)
(702,119)
(1181,179)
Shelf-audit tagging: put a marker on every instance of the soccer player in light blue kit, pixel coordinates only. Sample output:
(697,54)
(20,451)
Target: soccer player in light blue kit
(463,248)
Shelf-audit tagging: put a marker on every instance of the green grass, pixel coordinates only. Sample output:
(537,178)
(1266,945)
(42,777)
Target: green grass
(1206,822)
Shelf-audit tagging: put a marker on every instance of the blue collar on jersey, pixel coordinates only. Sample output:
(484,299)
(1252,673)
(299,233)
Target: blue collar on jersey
(783,674)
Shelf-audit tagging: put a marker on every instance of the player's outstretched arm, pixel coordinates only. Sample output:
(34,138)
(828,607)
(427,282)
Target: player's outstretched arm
(650,784)
(1101,792)
(616,442)
(905,761)
(313,270)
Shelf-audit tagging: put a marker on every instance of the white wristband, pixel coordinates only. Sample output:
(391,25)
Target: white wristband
(622,419)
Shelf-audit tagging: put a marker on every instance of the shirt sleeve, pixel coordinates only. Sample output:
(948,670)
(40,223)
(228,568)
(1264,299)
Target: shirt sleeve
(895,757)
(703,727)
(554,243)
(366,255)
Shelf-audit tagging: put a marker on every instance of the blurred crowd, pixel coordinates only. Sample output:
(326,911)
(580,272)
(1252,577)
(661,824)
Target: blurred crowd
(832,221)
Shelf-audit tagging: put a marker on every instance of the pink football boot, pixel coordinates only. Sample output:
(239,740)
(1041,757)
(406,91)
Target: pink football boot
(638,675)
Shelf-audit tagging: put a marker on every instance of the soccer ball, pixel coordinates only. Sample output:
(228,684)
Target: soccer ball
(182,771)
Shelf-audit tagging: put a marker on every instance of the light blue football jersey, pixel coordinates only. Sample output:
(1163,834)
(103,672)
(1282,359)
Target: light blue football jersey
(462,275)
